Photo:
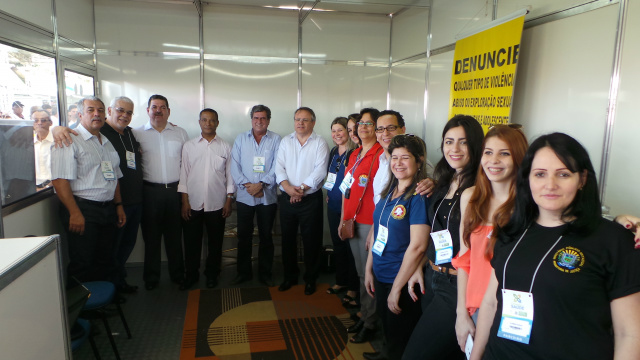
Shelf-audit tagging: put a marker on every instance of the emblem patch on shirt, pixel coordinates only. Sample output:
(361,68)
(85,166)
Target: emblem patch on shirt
(363,180)
(568,260)
(398,212)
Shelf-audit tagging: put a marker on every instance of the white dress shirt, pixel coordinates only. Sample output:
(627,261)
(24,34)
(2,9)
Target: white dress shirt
(206,173)
(42,150)
(161,152)
(81,163)
(245,149)
(302,164)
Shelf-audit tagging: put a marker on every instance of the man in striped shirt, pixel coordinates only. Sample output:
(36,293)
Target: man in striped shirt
(85,176)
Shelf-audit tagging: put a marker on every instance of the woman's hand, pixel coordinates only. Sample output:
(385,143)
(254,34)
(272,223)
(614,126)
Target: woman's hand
(632,223)
(464,328)
(416,278)
(393,300)
(368,283)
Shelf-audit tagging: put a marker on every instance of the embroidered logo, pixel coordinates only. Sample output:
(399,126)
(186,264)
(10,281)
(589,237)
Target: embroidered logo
(568,260)
(398,212)
(363,180)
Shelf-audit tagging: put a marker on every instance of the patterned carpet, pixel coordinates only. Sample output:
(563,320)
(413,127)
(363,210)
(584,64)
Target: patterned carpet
(264,323)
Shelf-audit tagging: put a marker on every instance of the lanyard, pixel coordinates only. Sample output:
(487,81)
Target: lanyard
(358,161)
(448,216)
(504,271)
(339,159)
(130,140)
(95,148)
(385,204)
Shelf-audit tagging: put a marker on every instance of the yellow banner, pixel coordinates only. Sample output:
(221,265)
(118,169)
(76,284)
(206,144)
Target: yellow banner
(484,72)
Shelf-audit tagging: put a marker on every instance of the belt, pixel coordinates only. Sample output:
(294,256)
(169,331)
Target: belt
(443,269)
(166,186)
(93,202)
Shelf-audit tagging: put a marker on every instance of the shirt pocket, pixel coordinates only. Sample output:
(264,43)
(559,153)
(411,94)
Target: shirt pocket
(218,163)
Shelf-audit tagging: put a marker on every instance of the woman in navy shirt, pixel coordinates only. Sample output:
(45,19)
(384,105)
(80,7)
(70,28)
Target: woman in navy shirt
(401,230)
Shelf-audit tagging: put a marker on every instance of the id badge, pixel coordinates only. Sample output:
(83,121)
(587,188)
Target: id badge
(346,183)
(331,181)
(468,346)
(258,164)
(107,170)
(381,240)
(517,316)
(131,160)
(444,246)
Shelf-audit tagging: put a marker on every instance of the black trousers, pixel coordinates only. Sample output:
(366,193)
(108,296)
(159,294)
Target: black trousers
(126,237)
(306,215)
(397,328)
(193,230)
(434,337)
(346,273)
(90,254)
(266,215)
(161,219)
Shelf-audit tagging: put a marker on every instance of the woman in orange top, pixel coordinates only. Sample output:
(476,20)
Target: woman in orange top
(488,203)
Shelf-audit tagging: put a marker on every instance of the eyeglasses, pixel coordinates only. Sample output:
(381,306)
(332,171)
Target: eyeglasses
(513,126)
(303,120)
(365,123)
(389,128)
(122,111)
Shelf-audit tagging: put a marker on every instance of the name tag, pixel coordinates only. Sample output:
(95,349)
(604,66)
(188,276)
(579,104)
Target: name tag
(131,160)
(381,240)
(331,181)
(443,245)
(258,164)
(346,183)
(107,170)
(517,316)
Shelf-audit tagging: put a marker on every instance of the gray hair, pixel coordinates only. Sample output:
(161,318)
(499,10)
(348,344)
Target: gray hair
(41,110)
(87,98)
(120,98)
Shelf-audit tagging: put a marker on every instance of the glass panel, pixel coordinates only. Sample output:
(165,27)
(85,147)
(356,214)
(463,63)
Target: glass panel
(69,12)
(451,18)
(29,82)
(77,86)
(26,9)
(409,34)
(407,93)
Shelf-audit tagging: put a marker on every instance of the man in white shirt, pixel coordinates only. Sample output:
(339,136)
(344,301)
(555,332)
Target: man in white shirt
(253,169)
(161,146)
(17,107)
(42,144)
(301,167)
(207,192)
(85,176)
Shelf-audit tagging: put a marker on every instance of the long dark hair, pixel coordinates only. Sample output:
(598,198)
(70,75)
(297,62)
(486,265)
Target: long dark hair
(585,207)
(443,172)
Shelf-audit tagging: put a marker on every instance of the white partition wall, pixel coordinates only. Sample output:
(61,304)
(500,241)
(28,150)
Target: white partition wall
(251,58)
(146,49)
(621,192)
(345,64)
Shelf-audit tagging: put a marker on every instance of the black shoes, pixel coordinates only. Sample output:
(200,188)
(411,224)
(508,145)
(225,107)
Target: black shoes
(212,282)
(309,288)
(287,284)
(355,328)
(127,289)
(239,279)
(374,356)
(363,335)
(266,281)
(150,285)
(188,283)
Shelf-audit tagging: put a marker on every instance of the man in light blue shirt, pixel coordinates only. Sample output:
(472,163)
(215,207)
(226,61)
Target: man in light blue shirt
(253,170)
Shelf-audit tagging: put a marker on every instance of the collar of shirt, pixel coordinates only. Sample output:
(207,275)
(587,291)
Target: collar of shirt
(148,126)
(201,138)
(48,138)
(310,138)
(86,135)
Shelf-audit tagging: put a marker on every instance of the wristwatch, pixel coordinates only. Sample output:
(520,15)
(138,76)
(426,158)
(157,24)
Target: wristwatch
(230,196)
(302,187)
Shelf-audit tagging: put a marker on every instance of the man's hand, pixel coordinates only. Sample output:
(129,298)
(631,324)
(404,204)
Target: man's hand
(61,135)
(122,217)
(186,210)
(253,188)
(76,223)
(425,187)
(226,209)
(259,194)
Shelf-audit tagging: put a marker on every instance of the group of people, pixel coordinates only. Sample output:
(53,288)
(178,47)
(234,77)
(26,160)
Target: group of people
(425,250)
(433,263)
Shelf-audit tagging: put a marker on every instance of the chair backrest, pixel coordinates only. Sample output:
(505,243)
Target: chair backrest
(77,296)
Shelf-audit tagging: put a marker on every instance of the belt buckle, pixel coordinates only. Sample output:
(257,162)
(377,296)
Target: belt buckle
(166,186)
